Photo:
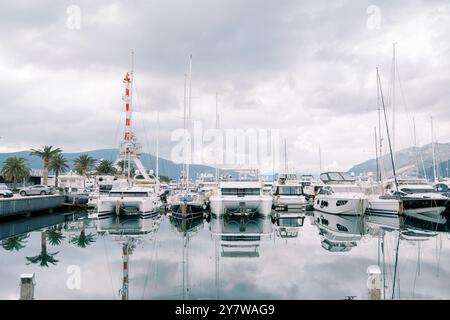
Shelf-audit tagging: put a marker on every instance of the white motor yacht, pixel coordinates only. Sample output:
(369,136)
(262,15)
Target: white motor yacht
(340,195)
(242,195)
(288,193)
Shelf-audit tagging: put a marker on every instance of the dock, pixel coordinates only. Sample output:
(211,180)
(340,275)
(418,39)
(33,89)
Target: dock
(26,205)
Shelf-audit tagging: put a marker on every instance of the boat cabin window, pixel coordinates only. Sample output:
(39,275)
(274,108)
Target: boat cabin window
(289,191)
(105,187)
(240,192)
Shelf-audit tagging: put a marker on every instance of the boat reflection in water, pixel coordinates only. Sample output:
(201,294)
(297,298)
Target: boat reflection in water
(240,236)
(339,233)
(187,228)
(128,231)
(288,227)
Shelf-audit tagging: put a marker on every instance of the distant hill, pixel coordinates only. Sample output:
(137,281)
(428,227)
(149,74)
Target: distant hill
(407,157)
(166,167)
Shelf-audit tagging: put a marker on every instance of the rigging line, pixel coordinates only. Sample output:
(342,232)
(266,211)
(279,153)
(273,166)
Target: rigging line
(138,102)
(404,103)
(109,269)
(116,135)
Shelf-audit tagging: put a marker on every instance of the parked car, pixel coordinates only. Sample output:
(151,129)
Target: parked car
(36,189)
(5,192)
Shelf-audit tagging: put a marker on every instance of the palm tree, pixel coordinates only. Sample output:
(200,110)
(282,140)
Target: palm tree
(15,242)
(43,258)
(55,236)
(83,164)
(46,154)
(106,167)
(14,169)
(123,168)
(83,239)
(58,164)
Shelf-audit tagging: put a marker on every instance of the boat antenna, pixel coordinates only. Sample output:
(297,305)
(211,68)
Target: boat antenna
(320,160)
(387,130)
(285,157)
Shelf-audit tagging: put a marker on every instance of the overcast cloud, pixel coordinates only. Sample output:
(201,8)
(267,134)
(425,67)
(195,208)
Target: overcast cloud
(305,67)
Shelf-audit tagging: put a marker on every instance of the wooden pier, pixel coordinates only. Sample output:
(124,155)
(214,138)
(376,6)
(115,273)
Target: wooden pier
(26,205)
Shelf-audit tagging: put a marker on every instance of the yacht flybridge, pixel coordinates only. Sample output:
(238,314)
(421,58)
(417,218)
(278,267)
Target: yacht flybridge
(242,195)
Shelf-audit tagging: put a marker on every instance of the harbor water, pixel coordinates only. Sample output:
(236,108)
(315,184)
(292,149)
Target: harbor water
(307,256)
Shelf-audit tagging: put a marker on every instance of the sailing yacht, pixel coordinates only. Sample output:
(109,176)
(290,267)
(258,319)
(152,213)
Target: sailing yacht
(139,196)
(242,195)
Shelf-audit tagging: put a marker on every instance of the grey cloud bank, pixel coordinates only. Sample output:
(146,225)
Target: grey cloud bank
(307,67)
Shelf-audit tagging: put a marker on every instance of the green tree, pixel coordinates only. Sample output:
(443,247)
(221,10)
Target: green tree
(15,168)
(164,179)
(15,242)
(46,154)
(84,164)
(58,164)
(44,257)
(106,167)
(123,168)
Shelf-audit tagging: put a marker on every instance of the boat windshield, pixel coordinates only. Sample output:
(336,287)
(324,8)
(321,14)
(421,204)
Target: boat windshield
(424,190)
(346,189)
(289,191)
(240,192)
(128,194)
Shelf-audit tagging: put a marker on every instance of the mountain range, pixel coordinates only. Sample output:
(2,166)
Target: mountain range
(166,167)
(405,159)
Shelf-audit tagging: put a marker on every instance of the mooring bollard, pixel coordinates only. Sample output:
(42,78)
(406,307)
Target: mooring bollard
(374,282)
(27,283)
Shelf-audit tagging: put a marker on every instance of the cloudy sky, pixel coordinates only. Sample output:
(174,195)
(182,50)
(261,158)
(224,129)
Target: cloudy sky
(305,68)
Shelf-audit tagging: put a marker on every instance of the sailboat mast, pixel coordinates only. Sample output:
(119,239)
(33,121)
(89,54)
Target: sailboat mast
(217,128)
(387,130)
(184,128)
(393,99)
(433,150)
(376,152)
(157,150)
(380,149)
(189,120)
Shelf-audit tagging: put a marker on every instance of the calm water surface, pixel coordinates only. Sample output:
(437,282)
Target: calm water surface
(310,256)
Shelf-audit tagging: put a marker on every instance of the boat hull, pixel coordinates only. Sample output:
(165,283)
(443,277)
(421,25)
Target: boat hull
(354,206)
(238,205)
